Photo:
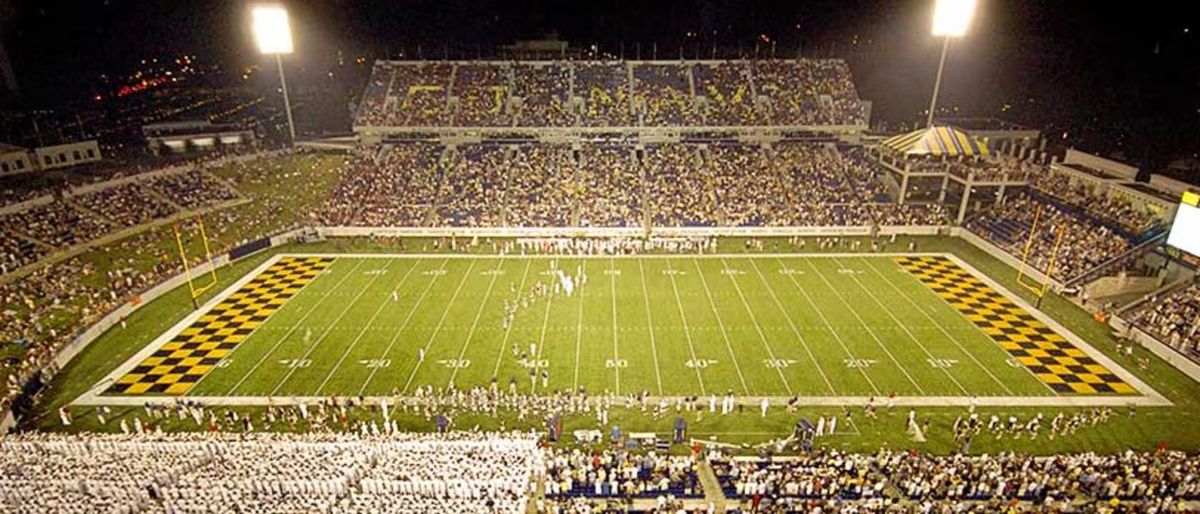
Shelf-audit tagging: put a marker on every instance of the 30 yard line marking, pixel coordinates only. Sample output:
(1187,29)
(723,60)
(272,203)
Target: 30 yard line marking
(616,347)
(438,328)
(754,321)
(471,331)
(724,333)
(403,326)
(903,327)
(364,330)
(508,331)
(788,316)
(686,330)
(578,337)
(940,328)
(828,325)
(295,327)
(864,324)
(650,329)
(349,305)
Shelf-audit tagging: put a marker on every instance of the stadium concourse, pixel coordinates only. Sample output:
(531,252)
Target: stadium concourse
(638,149)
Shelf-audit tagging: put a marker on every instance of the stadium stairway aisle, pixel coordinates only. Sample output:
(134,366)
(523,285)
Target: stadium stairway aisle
(712,489)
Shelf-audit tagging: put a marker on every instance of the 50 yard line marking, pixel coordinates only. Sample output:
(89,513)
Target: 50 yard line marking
(754,321)
(686,329)
(289,332)
(788,316)
(650,327)
(438,328)
(508,331)
(363,331)
(724,333)
(471,331)
(403,326)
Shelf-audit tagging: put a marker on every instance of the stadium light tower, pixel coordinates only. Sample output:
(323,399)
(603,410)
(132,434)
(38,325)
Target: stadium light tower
(273,34)
(950,19)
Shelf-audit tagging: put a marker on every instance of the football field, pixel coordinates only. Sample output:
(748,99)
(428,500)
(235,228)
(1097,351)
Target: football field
(823,328)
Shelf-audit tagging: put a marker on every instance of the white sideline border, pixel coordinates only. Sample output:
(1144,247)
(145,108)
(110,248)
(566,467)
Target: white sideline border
(1149,397)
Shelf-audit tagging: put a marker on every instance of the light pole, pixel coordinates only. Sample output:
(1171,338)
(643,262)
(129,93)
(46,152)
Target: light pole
(950,19)
(273,34)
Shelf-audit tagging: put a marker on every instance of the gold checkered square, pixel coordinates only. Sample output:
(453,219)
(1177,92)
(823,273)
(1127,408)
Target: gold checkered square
(176,366)
(1053,359)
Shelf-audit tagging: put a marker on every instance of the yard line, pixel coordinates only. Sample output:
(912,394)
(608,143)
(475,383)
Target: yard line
(293,329)
(438,328)
(754,321)
(869,330)
(363,331)
(329,329)
(939,326)
(508,331)
(403,325)
(650,327)
(724,334)
(578,336)
(474,324)
(616,347)
(903,327)
(686,330)
(829,326)
(788,316)
(541,340)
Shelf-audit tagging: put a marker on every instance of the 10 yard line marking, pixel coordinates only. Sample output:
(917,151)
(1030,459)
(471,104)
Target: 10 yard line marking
(724,333)
(475,323)
(578,335)
(403,326)
(616,348)
(788,316)
(508,331)
(329,329)
(686,329)
(295,327)
(754,321)
(828,325)
(438,328)
(363,331)
(650,329)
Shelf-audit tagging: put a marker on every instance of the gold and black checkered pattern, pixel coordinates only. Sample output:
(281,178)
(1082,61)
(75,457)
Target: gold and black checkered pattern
(1055,361)
(180,363)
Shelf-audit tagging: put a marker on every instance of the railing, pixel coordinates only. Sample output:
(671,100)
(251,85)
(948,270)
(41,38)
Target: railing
(1104,267)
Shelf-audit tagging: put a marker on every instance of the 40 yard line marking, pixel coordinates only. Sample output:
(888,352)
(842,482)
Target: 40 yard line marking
(579,337)
(471,331)
(508,331)
(686,329)
(721,324)
(287,334)
(788,316)
(403,326)
(541,341)
(650,329)
(754,321)
(438,328)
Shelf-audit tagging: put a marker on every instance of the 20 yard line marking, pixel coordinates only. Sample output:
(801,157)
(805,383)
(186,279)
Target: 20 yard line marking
(308,352)
(475,323)
(287,334)
(363,331)
(616,347)
(828,325)
(438,328)
(578,337)
(686,329)
(650,329)
(403,325)
(758,328)
(788,316)
(508,331)
(720,323)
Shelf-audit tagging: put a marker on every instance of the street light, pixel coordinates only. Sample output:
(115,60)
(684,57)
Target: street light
(950,19)
(274,36)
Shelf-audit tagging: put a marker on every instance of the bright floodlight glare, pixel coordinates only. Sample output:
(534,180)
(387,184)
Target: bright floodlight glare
(271,29)
(951,17)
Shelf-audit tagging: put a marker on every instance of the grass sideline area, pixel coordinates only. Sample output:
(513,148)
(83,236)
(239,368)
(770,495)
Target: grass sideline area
(1145,430)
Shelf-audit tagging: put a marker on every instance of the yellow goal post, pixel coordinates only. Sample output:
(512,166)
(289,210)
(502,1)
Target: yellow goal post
(196,290)
(1038,290)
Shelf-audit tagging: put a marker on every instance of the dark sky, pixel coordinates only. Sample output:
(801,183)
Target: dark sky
(1125,75)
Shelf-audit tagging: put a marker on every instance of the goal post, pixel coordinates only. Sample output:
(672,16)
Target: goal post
(1028,281)
(194,289)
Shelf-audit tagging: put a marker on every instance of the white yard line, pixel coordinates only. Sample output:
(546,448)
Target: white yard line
(485,256)
(287,334)
(471,331)
(828,325)
(541,341)
(686,329)
(508,331)
(578,337)
(364,330)
(758,328)
(650,329)
(869,330)
(903,327)
(916,305)
(404,325)
(438,328)
(787,315)
(308,352)
(616,347)
(724,333)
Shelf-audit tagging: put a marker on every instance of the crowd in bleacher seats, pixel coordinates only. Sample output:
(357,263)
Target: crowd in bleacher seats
(194,189)
(726,86)
(604,87)
(396,187)
(472,195)
(1174,318)
(680,191)
(541,186)
(56,224)
(625,474)
(372,107)
(126,205)
(610,187)
(747,186)
(663,96)
(483,92)
(1107,208)
(420,95)
(808,92)
(816,475)
(545,101)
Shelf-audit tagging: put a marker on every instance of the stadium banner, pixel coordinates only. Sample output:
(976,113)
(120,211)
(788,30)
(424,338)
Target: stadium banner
(249,248)
(626,231)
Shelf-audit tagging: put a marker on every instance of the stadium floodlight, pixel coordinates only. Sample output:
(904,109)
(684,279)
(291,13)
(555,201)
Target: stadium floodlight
(950,19)
(273,33)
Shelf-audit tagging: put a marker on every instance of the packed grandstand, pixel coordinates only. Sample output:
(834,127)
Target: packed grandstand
(775,146)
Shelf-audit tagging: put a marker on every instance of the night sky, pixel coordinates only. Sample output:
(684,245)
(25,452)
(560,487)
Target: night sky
(1111,76)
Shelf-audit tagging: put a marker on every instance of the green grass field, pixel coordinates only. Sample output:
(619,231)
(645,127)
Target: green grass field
(778,326)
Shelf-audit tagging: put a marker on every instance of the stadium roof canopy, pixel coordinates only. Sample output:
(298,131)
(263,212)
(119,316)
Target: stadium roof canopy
(938,140)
